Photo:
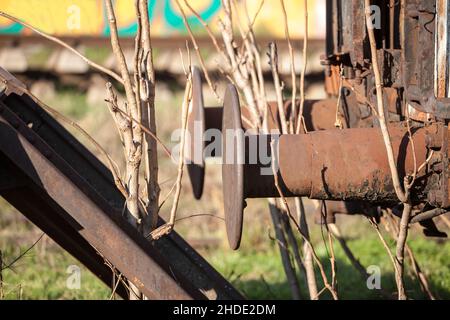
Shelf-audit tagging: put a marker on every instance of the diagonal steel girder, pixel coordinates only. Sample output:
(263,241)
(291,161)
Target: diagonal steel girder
(66,191)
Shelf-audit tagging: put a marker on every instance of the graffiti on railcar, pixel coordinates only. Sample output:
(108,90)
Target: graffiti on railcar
(88,17)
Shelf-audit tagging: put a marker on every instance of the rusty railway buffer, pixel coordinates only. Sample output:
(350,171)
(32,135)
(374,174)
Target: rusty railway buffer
(319,115)
(350,165)
(66,191)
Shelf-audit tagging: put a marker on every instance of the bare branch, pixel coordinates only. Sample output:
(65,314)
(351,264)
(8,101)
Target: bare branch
(286,207)
(240,75)
(301,120)
(273,55)
(380,106)
(94,65)
(293,76)
(284,251)
(197,50)
(148,83)
(307,250)
(168,227)
(111,164)
(383,241)
(208,30)
(421,277)
(134,151)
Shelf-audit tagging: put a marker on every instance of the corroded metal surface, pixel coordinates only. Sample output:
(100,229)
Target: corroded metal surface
(327,210)
(348,164)
(342,165)
(71,196)
(318,115)
(116,242)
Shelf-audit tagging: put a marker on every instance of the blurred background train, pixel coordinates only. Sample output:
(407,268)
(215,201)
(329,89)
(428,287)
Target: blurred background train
(81,23)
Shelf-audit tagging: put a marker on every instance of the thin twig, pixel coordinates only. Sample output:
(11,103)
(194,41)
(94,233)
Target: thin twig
(278,88)
(94,65)
(286,207)
(332,260)
(113,293)
(147,98)
(292,242)
(293,75)
(168,227)
(250,34)
(197,50)
(280,236)
(208,30)
(8,266)
(144,128)
(111,164)
(383,241)
(421,277)
(307,250)
(301,119)
(200,215)
(380,105)
(353,260)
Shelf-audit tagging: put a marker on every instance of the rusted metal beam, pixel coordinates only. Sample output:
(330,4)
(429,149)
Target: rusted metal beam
(115,240)
(174,255)
(47,216)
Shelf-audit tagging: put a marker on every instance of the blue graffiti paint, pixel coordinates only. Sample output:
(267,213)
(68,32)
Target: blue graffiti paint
(14,28)
(174,20)
(130,30)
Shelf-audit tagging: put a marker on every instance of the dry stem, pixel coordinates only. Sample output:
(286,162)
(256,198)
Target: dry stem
(286,208)
(278,88)
(94,65)
(403,195)
(421,277)
(168,227)
(147,96)
(284,251)
(134,150)
(301,121)
(197,50)
(111,164)
(293,76)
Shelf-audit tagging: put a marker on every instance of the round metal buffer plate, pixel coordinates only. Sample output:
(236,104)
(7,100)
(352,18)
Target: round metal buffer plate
(233,166)
(195,143)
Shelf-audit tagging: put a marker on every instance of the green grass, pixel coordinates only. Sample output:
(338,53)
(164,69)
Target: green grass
(259,273)
(70,104)
(255,269)
(44,276)
(98,54)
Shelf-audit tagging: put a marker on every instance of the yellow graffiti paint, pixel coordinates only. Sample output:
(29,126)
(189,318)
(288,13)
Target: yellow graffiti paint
(87,17)
(58,17)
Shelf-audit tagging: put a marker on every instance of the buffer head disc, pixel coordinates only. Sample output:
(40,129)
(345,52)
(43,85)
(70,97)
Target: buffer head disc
(195,145)
(233,157)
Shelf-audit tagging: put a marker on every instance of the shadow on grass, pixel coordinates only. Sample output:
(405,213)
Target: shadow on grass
(350,284)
